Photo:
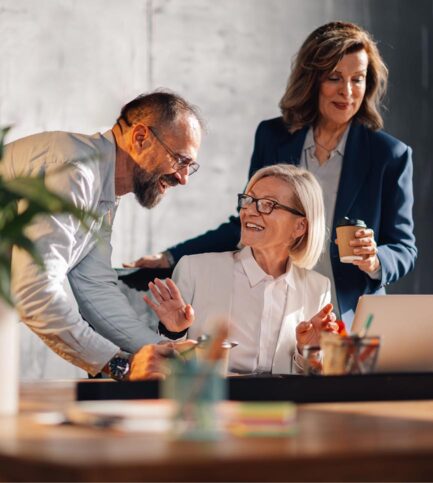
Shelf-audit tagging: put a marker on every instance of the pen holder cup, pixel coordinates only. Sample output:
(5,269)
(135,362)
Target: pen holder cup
(349,355)
(223,363)
(196,387)
(312,360)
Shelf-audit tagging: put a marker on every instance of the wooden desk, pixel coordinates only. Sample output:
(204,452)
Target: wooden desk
(381,441)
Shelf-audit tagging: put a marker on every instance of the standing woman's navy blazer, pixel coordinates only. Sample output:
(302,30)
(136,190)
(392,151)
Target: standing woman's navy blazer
(375,186)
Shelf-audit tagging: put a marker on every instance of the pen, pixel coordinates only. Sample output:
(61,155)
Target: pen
(366,326)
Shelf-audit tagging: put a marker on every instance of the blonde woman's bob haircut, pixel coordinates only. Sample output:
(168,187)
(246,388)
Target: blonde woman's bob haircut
(318,57)
(308,199)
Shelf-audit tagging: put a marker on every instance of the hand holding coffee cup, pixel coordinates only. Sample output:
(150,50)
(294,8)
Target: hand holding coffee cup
(346,229)
(356,244)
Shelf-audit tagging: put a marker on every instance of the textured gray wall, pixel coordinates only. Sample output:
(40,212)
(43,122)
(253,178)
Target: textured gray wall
(231,58)
(405,32)
(71,64)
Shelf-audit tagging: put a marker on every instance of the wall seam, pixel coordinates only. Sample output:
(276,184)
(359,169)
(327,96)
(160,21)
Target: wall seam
(149,21)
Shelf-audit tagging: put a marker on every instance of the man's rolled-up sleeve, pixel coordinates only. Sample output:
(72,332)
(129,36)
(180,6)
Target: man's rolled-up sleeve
(41,294)
(44,303)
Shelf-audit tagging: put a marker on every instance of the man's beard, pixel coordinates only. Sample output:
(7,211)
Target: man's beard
(146,186)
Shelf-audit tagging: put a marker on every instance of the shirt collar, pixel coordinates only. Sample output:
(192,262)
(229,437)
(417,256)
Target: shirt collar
(341,146)
(309,139)
(107,166)
(256,274)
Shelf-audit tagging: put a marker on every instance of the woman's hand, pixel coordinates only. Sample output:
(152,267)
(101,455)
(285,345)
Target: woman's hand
(170,307)
(308,333)
(365,245)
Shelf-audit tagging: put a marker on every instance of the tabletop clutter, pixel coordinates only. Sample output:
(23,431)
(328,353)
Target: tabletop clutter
(198,387)
(195,405)
(343,353)
(197,384)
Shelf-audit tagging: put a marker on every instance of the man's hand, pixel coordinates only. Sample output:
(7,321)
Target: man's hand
(308,333)
(185,348)
(170,307)
(150,362)
(159,260)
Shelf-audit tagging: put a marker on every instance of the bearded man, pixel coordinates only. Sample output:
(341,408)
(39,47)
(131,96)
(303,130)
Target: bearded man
(152,146)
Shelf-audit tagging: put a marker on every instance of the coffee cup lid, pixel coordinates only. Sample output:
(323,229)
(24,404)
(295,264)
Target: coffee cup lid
(351,222)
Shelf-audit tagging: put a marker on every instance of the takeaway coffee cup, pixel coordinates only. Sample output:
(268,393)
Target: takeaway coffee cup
(346,229)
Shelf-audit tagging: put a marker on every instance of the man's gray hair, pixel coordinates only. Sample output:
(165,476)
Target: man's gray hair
(159,108)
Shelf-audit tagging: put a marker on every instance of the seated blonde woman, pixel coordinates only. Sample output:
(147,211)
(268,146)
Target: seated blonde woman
(275,302)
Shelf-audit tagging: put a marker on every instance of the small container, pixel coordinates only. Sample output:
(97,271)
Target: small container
(312,360)
(196,388)
(200,353)
(346,229)
(349,355)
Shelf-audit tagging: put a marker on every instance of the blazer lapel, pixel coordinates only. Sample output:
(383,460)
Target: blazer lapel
(290,151)
(356,164)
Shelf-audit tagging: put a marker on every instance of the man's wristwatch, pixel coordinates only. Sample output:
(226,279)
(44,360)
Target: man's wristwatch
(119,366)
(170,259)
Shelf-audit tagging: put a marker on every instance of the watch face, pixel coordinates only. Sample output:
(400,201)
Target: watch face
(119,368)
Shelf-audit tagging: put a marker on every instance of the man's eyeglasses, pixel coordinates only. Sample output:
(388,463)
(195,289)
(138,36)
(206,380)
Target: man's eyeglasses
(264,205)
(180,162)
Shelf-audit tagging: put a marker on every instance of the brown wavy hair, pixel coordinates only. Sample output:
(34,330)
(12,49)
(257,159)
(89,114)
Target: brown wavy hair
(319,55)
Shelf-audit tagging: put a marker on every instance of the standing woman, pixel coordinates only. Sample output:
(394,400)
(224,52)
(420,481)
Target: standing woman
(331,125)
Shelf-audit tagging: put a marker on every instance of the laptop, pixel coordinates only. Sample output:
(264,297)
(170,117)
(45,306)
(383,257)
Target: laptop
(405,324)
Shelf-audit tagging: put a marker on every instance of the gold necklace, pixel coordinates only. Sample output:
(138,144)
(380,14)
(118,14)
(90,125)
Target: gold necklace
(329,151)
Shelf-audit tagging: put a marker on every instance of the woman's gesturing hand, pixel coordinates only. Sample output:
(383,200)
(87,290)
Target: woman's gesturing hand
(170,306)
(308,333)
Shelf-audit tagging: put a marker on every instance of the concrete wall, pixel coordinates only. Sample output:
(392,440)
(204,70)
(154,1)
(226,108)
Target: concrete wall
(71,64)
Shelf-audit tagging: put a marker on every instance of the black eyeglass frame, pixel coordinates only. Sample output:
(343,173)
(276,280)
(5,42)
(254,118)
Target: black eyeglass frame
(273,205)
(180,162)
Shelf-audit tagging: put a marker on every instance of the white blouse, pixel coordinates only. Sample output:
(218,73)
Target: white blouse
(260,300)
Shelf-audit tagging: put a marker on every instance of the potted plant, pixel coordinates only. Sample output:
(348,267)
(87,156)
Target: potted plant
(13,223)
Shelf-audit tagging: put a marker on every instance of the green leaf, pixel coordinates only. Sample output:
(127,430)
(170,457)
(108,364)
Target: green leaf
(3,132)
(5,289)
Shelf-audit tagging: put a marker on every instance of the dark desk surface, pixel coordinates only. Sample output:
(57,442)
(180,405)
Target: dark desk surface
(370,441)
(299,389)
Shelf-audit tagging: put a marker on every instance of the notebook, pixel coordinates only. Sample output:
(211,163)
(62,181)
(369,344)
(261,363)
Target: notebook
(405,324)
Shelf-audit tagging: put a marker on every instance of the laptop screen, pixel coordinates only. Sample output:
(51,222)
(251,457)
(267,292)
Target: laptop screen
(405,325)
